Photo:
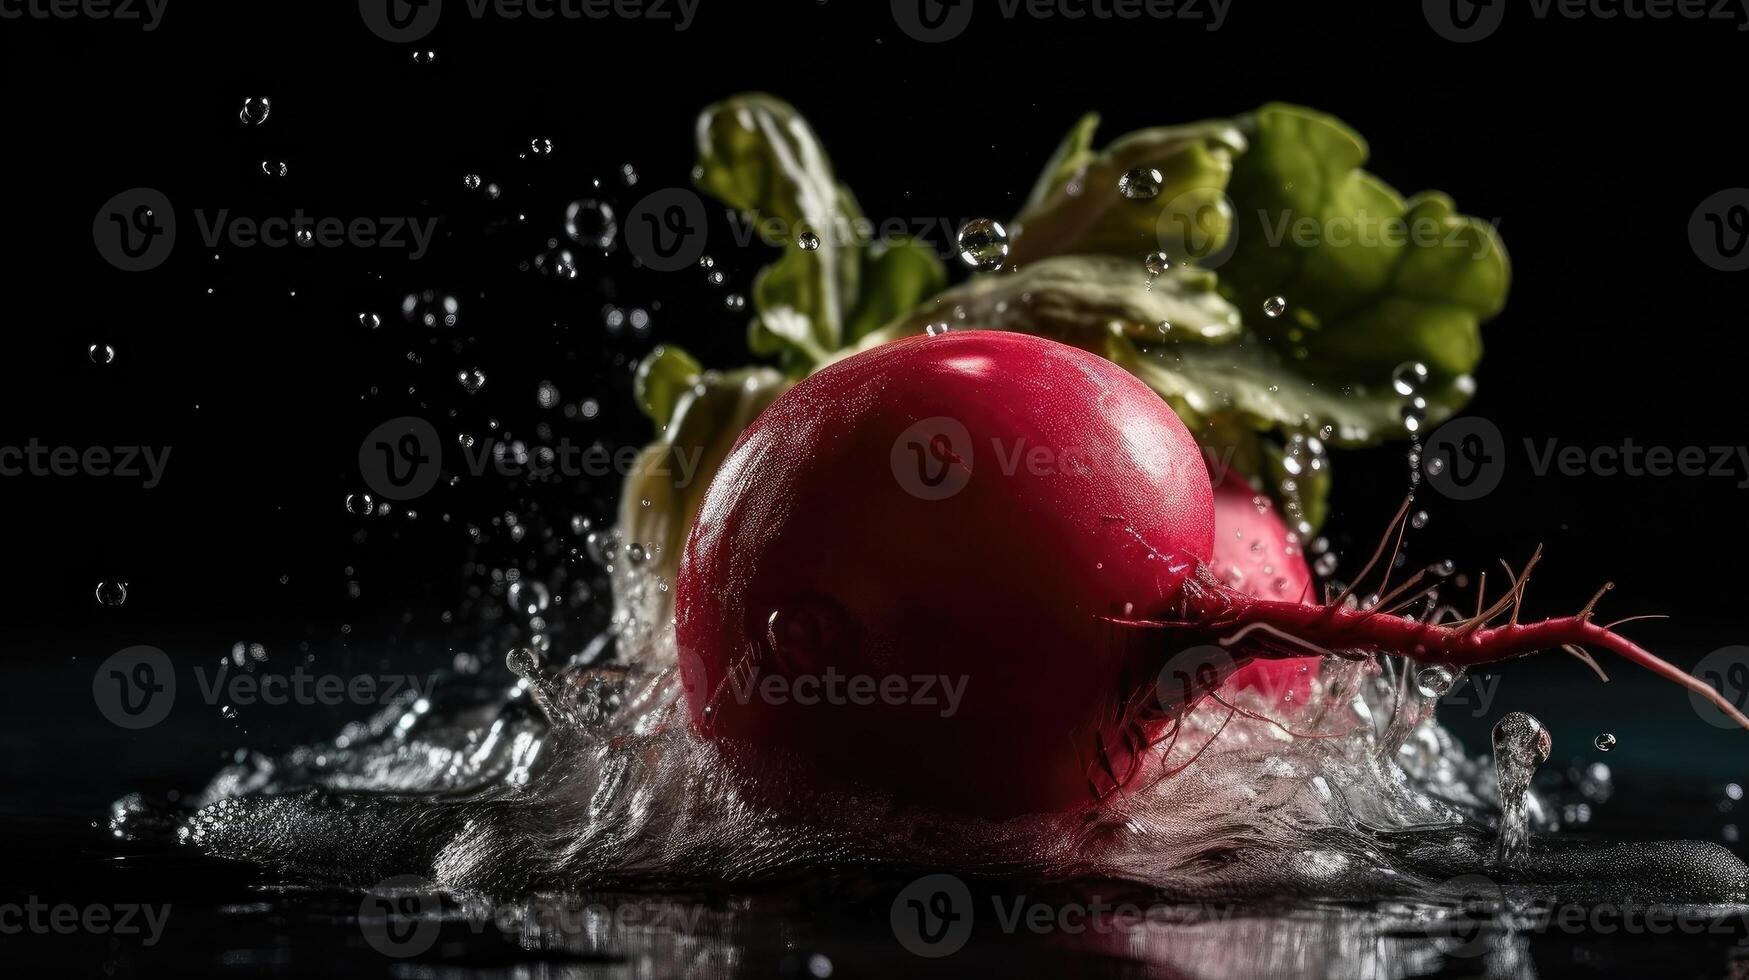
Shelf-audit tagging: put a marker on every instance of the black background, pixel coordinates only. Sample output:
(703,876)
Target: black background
(1589,157)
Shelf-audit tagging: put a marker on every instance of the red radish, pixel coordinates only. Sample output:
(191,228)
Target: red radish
(1011,515)
(1256,554)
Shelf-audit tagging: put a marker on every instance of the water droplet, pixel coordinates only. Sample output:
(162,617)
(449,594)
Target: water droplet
(591,222)
(471,182)
(431,308)
(529,598)
(1418,520)
(637,553)
(1434,682)
(1520,743)
(1326,564)
(305,237)
(255,110)
(1414,413)
(540,146)
(1604,742)
(714,277)
(112,593)
(735,302)
(1140,184)
(1435,466)
(558,263)
(1274,306)
(1443,568)
(983,244)
(523,663)
(360,504)
(1408,378)
(547,395)
(424,56)
(274,168)
(935,329)
(229,712)
(369,321)
(808,241)
(472,379)
(602,545)
(100,353)
(1156,263)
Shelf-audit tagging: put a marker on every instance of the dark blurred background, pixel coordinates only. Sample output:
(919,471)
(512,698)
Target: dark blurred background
(252,365)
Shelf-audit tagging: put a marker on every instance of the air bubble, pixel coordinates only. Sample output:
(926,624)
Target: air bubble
(471,379)
(1156,263)
(100,353)
(983,244)
(255,110)
(360,504)
(112,593)
(1604,742)
(1274,306)
(591,222)
(1414,414)
(1140,184)
(807,241)
(1408,378)
(1434,682)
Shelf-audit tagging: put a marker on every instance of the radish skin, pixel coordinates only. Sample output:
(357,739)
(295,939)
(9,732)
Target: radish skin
(1045,552)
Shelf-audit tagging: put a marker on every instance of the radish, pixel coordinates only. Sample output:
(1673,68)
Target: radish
(1255,554)
(1013,518)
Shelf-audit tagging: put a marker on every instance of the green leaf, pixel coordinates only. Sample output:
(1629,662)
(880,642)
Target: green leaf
(897,277)
(1076,208)
(663,376)
(1080,299)
(756,154)
(1371,280)
(668,480)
